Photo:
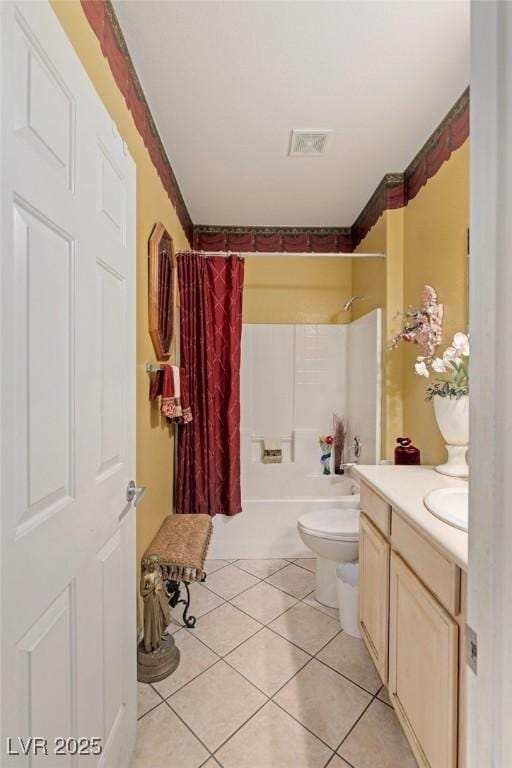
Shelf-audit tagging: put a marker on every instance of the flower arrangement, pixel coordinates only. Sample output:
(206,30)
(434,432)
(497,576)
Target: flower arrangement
(453,381)
(326,442)
(424,325)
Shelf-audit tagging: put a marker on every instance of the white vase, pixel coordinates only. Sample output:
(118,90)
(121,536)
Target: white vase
(453,421)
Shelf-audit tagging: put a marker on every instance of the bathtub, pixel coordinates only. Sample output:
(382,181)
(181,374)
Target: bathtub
(267,527)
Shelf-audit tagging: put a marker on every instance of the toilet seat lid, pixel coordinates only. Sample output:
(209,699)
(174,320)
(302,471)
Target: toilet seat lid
(332,523)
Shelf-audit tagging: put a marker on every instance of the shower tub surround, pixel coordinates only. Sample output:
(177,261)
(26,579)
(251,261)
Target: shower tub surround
(267,527)
(293,378)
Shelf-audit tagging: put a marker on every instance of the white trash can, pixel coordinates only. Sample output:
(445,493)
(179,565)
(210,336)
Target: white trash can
(347,578)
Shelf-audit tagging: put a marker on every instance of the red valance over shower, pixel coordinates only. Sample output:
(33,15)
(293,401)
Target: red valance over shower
(208,478)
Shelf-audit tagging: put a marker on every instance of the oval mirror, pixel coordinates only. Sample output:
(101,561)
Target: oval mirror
(162,286)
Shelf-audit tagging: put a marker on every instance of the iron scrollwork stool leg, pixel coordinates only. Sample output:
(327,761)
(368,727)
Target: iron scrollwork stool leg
(174,595)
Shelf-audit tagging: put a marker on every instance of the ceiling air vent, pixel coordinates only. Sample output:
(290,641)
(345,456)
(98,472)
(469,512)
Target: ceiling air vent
(309,143)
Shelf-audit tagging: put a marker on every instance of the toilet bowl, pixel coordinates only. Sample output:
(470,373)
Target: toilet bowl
(333,536)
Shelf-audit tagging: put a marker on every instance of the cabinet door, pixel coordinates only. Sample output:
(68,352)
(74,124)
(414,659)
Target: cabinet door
(423,668)
(374,594)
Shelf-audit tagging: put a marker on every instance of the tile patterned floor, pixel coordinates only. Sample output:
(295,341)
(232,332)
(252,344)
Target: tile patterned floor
(267,679)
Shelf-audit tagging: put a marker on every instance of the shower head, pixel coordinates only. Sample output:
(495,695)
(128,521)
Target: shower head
(348,304)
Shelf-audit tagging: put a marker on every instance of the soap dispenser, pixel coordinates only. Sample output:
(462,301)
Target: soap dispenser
(405,452)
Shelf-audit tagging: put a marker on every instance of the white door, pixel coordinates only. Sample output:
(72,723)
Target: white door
(489,731)
(68,629)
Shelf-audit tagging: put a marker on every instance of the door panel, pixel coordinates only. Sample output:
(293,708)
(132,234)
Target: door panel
(68,628)
(374,594)
(44,116)
(110,559)
(111,194)
(423,668)
(44,309)
(109,325)
(46,662)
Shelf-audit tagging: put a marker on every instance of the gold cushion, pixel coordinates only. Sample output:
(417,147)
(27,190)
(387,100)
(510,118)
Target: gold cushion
(180,547)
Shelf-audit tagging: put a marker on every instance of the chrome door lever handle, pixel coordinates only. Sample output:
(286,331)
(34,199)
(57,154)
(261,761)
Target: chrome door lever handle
(135,493)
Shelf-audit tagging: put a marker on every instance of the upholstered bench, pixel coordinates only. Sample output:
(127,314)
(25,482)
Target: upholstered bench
(180,548)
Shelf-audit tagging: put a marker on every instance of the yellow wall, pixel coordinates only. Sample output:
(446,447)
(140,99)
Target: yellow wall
(296,290)
(155,447)
(369,275)
(381,280)
(435,243)
(393,382)
(425,243)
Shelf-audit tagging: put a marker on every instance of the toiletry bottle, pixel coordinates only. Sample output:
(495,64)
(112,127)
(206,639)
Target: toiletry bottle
(405,452)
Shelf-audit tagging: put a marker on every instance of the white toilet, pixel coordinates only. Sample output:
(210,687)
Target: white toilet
(333,536)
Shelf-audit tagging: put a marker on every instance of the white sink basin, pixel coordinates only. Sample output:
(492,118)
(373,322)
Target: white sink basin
(450,505)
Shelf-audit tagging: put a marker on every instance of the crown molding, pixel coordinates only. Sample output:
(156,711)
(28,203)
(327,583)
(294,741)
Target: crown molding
(273,239)
(449,135)
(390,193)
(396,190)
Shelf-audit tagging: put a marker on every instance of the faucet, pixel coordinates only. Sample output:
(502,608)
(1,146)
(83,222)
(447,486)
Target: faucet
(348,304)
(357,447)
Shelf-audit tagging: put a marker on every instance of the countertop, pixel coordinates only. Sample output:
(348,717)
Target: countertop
(405,487)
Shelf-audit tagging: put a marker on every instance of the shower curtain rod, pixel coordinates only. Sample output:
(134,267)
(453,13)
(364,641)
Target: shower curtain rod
(288,254)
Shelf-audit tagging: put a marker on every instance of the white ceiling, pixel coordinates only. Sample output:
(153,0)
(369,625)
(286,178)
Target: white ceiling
(227,81)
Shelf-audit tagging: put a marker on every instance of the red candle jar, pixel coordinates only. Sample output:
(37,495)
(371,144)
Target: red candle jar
(405,452)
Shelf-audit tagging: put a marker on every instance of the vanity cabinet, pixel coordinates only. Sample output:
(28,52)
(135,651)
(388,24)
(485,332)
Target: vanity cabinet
(374,551)
(411,618)
(423,667)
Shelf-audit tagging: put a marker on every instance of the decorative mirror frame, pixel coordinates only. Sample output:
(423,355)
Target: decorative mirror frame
(161,306)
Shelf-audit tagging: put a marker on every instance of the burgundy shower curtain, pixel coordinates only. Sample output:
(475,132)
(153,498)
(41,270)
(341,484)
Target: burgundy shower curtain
(208,478)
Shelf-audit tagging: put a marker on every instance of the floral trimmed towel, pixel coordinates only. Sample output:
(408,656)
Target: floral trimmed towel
(170,383)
